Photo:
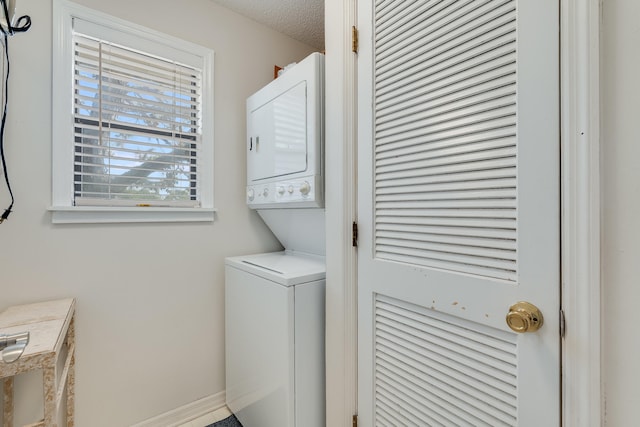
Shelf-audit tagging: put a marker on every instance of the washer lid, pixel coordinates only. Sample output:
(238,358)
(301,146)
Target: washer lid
(286,268)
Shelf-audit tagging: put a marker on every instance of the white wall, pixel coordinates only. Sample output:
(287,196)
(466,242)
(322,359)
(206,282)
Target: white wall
(621,210)
(150,297)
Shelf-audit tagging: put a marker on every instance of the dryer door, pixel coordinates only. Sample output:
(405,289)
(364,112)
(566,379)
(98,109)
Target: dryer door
(277,132)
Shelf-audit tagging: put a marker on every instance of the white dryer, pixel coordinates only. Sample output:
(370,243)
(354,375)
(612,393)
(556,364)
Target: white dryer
(274,302)
(275,339)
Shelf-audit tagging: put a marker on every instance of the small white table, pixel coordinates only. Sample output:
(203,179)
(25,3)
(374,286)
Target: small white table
(51,326)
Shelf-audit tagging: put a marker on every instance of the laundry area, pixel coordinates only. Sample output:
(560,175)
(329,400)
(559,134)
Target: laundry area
(274,302)
(148,278)
(286,213)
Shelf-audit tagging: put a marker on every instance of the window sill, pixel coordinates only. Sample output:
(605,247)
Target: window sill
(103,215)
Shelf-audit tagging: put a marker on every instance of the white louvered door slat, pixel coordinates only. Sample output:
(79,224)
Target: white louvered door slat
(458,173)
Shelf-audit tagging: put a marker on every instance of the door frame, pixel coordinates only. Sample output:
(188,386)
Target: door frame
(582,398)
(580,199)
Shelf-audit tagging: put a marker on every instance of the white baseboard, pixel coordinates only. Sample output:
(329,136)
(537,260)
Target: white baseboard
(186,413)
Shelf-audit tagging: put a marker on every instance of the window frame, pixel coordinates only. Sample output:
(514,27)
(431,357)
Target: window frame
(135,37)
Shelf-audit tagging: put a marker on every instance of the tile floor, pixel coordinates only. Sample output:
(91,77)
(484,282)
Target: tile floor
(210,418)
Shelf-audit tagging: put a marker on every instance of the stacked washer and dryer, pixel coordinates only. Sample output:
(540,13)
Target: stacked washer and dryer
(274,302)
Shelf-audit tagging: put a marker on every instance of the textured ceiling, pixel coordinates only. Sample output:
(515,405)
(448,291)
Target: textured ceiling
(302,20)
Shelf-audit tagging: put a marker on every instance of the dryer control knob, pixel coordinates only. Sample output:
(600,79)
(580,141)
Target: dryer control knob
(290,189)
(250,194)
(305,188)
(265,193)
(281,190)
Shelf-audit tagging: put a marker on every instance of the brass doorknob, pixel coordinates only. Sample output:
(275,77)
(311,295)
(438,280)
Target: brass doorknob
(524,317)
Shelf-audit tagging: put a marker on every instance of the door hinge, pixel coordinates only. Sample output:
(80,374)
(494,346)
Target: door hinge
(354,421)
(354,234)
(354,39)
(563,324)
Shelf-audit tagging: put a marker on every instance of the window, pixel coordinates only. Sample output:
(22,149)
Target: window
(137,128)
(132,127)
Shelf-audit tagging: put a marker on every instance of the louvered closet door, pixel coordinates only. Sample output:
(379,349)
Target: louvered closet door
(458,183)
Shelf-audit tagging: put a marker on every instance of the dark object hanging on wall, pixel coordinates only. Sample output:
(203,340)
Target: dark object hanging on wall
(8,29)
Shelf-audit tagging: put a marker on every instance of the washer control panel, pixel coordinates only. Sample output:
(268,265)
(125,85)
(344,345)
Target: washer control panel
(302,192)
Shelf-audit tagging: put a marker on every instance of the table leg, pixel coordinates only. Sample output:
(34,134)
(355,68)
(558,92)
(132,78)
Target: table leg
(71,396)
(71,375)
(50,397)
(7,405)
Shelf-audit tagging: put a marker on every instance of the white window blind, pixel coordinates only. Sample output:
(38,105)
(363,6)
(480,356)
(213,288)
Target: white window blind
(137,132)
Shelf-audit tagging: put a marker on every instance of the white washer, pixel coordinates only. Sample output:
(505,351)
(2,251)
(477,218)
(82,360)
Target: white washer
(275,302)
(275,339)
